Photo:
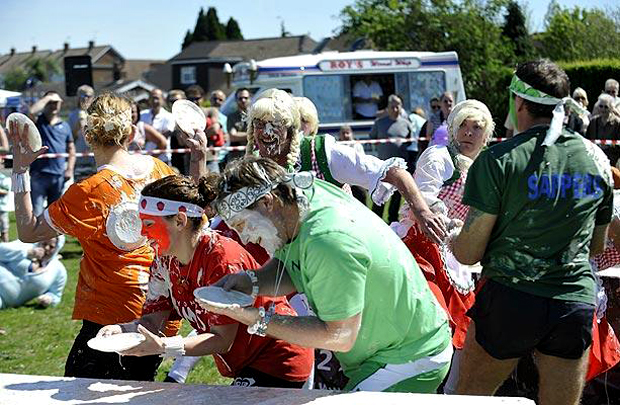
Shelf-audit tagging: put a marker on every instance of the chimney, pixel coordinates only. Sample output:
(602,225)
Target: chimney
(65,47)
(12,51)
(34,49)
(91,45)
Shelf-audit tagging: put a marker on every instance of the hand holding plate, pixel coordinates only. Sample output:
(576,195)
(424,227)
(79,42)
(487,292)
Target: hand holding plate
(23,135)
(151,345)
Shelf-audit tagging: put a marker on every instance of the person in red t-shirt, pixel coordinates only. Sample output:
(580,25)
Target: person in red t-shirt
(199,257)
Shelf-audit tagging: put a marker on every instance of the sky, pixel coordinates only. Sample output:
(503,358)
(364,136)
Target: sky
(155,29)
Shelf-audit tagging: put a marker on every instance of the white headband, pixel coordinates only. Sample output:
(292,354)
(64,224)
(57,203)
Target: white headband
(160,207)
(246,196)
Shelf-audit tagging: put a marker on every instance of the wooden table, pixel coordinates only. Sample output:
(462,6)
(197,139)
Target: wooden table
(17,389)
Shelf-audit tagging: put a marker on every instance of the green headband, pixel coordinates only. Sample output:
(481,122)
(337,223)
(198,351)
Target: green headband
(527,92)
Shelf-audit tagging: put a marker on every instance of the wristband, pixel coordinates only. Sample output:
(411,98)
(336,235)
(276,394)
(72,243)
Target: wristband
(173,346)
(254,279)
(20,182)
(260,327)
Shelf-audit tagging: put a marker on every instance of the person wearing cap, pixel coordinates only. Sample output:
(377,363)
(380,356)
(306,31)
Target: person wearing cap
(540,204)
(48,175)
(84,165)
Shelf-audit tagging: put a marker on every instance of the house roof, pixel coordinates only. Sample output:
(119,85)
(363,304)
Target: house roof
(135,69)
(96,52)
(238,50)
(123,86)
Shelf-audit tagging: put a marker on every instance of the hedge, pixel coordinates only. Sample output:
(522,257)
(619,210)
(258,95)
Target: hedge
(589,75)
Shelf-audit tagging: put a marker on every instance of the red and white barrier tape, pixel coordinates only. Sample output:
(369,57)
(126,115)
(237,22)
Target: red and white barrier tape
(242,148)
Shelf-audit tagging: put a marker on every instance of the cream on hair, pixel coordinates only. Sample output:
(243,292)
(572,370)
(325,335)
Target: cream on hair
(276,106)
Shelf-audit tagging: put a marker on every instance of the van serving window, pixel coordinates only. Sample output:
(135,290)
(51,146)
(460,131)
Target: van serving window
(422,86)
(331,95)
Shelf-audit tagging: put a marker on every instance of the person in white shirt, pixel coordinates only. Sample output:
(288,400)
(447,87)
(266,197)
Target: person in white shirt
(160,119)
(367,94)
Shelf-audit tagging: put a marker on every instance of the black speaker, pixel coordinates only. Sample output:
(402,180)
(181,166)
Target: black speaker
(78,71)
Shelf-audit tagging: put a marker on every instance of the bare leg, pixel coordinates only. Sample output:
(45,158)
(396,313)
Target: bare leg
(479,372)
(561,380)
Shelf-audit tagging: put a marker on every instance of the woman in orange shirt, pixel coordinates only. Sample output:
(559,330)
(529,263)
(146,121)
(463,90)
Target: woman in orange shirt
(102,213)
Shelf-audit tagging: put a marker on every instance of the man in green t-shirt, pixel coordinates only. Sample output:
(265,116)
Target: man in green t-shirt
(540,205)
(373,307)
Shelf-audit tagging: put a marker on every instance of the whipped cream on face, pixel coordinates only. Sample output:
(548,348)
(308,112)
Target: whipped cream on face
(257,229)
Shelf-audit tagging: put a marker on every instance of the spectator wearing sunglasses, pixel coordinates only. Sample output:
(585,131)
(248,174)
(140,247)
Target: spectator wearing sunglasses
(237,126)
(575,121)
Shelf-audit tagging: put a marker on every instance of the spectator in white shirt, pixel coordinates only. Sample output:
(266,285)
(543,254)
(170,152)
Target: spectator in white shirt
(160,119)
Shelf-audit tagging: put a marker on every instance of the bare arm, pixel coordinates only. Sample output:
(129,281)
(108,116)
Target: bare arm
(237,136)
(599,237)
(431,223)
(471,243)
(4,141)
(219,340)
(267,280)
(37,107)
(29,227)
(70,160)
(153,135)
(310,331)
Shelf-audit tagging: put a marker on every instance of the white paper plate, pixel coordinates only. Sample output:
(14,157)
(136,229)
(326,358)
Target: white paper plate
(188,116)
(34,138)
(116,343)
(123,226)
(220,298)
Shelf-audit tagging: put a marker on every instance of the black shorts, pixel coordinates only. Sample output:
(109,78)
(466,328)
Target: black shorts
(85,362)
(511,323)
(249,377)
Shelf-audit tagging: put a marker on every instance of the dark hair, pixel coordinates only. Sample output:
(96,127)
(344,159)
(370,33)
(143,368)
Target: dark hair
(545,76)
(185,189)
(135,104)
(434,99)
(247,172)
(194,91)
(239,90)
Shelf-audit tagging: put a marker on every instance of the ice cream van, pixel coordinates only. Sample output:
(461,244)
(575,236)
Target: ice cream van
(349,88)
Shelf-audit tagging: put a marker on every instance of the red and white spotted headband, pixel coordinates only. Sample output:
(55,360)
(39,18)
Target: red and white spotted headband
(160,207)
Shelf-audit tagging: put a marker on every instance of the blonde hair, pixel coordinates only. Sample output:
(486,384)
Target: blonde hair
(581,92)
(276,105)
(109,121)
(472,109)
(308,113)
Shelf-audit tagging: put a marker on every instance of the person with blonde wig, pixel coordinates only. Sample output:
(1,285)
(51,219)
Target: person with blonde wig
(440,175)
(101,211)
(274,125)
(308,115)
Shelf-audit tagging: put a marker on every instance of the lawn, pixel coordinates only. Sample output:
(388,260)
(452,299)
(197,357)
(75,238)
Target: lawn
(37,341)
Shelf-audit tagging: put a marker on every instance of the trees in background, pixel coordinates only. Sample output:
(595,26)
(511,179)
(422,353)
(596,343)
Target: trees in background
(209,28)
(36,69)
(490,36)
(580,34)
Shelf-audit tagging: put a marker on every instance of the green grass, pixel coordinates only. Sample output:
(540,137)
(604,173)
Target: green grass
(37,341)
